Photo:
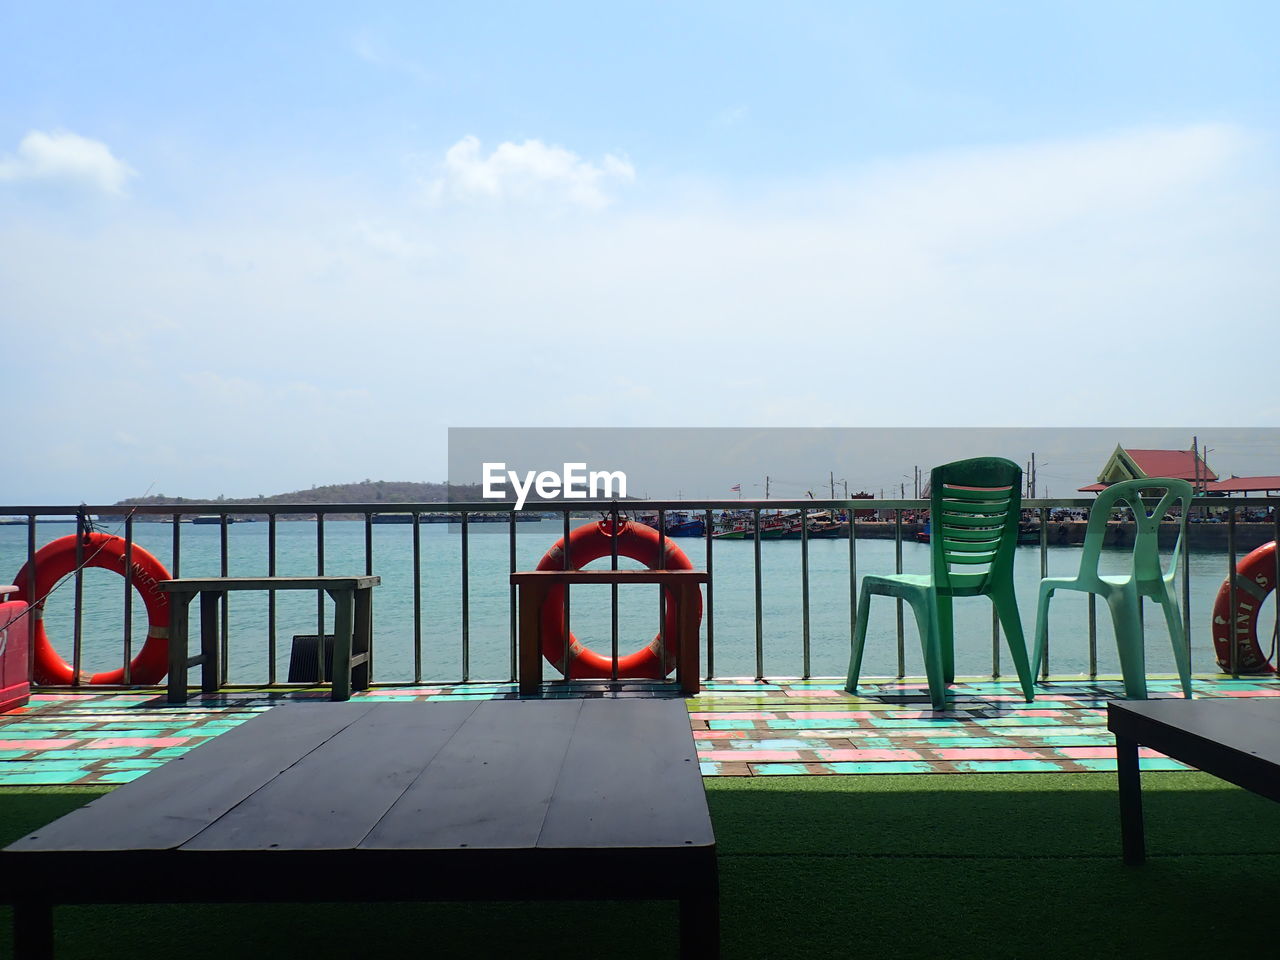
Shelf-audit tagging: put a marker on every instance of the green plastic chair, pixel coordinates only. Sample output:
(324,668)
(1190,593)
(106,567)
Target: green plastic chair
(974,508)
(1122,592)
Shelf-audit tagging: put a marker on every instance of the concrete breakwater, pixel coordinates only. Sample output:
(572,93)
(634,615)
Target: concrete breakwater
(1205,536)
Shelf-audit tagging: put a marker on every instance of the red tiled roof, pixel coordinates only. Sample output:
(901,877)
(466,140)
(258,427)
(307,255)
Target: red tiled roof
(1093,488)
(1245,485)
(1180,464)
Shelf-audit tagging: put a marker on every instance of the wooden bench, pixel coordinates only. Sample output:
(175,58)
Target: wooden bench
(352,630)
(560,799)
(1235,739)
(683,585)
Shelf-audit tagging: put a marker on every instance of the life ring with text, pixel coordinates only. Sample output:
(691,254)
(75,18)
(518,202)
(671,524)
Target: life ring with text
(56,560)
(1255,579)
(591,542)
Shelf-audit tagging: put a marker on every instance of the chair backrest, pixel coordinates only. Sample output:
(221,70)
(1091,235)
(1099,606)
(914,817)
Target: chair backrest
(1147,515)
(974,509)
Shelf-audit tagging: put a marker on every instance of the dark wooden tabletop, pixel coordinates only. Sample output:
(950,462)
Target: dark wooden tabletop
(197,584)
(500,775)
(1236,738)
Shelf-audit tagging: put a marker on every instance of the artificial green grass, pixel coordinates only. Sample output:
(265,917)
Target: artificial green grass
(949,866)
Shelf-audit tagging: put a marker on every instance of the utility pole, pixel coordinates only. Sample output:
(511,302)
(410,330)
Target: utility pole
(766,486)
(833,484)
(846,489)
(1195,466)
(1033,476)
(918,476)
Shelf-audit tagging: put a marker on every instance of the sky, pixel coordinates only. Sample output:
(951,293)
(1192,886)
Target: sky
(251,248)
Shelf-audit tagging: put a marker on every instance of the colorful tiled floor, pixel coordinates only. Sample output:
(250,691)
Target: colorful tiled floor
(742,728)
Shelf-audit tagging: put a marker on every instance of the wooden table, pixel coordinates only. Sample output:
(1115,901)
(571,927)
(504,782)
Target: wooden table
(352,629)
(579,799)
(1235,739)
(534,584)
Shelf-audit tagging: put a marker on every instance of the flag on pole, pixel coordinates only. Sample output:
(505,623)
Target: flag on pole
(736,488)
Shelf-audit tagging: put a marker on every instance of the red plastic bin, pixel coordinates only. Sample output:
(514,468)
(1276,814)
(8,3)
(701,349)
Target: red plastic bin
(15,645)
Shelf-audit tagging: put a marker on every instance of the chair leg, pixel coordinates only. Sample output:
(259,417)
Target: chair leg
(947,638)
(1006,604)
(1133,656)
(1173,618)
(925,608)
(859,641)
(1042,628)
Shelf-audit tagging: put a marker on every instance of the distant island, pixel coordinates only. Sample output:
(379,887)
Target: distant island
(364,491)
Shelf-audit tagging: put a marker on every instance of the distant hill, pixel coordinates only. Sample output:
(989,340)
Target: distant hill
(363,491)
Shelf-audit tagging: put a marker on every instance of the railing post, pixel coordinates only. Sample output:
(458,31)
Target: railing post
(272,650)
(897,567)
(31,592)
(127,673)
(708,525)
(466,602)
(511,595)
(320,664)
(759,602)
(417,597)
(224,628)
(1231,574)
(804,593)
(613,596)
(77,647)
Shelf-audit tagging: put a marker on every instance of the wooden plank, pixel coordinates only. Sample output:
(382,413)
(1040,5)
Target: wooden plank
(334,796)
(630,779)
(609,576)
(172,804)
(196,584)
(490,786)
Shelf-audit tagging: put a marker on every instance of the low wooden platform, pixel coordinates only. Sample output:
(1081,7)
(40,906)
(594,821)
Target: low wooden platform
(1235,739)
(496,800)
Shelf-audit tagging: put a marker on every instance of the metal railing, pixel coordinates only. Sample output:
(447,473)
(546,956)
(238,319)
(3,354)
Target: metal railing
(463,513)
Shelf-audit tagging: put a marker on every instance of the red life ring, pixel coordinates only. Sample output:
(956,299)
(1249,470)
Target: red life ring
(1255,579)
(591,542)
(57,559)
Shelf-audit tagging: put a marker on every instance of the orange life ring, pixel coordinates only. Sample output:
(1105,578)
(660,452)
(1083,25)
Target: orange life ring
(591,542)
(54,561)
(1255,579)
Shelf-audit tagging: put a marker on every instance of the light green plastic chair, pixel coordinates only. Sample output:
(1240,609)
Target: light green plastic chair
(1122,592)
(974,508)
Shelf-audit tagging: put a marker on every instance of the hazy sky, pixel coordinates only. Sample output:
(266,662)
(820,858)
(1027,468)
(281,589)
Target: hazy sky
(247,248)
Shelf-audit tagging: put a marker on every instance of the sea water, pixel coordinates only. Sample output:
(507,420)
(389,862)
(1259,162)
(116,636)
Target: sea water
(439,649)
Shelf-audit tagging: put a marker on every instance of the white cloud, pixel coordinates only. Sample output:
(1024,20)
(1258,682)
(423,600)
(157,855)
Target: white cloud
(527,172)
(66,157)
(1027,284)
(731,116)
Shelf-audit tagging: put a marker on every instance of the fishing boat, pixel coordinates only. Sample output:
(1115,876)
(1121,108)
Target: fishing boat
(678,524)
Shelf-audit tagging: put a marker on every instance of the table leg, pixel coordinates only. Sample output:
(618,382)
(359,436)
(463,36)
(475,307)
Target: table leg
(179,604)
(362,639)
(210,641)
(343,627)
(700,922)
(1133,840)
(530,653)
(32,930)
(687,669)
